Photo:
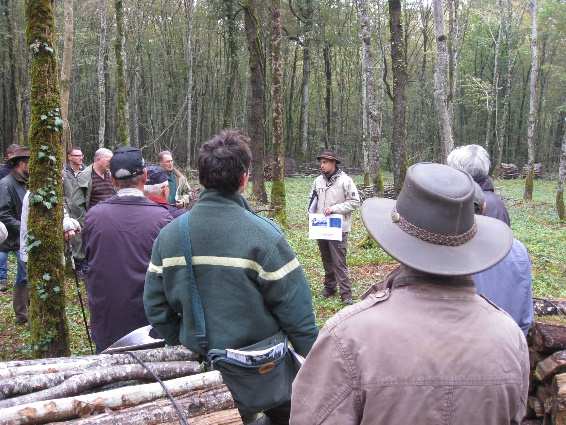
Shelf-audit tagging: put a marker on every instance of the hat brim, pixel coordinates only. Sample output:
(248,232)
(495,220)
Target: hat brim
(318,158)
(489,246)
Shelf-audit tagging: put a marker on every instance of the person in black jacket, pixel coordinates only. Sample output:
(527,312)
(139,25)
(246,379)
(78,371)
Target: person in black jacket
(13,188)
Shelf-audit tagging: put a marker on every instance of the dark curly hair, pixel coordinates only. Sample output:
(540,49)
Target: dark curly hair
(223,160)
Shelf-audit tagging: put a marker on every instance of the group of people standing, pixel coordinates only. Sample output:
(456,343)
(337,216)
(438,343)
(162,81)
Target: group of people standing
(422,347)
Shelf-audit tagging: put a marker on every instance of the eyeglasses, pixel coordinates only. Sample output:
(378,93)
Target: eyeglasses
(79,155)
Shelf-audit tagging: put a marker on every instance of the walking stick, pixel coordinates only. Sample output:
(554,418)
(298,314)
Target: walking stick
(80,298)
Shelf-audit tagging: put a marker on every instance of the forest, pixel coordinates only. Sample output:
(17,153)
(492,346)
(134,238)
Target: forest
(385,84)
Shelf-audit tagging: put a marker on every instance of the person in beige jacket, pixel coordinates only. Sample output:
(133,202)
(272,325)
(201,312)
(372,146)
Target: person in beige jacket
(426,349)
(334,192)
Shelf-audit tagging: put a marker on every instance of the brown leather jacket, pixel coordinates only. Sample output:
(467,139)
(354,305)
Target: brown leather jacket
(429,351)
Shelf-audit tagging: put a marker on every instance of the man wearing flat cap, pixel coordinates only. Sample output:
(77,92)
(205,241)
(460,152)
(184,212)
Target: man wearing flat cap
(13,188)
(334,192)
(427,349)
(118,235)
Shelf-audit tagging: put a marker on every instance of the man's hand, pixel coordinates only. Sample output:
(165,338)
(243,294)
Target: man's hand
(71,227)
(327,211)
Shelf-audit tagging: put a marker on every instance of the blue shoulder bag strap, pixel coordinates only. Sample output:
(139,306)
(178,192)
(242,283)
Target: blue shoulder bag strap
(196,302)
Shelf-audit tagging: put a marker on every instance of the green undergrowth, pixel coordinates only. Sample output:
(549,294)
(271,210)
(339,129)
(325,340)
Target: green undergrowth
(534,223)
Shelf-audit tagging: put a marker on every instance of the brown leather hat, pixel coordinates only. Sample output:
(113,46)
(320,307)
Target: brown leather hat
(432,227)
(18,152)
(328,154)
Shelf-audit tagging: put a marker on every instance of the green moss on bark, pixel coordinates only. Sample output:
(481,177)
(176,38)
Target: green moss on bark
(49,333)
(528,193)
(560,204)
(278,202)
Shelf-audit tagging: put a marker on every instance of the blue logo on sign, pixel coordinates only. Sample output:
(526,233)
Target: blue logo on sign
(335,222)
(318,222)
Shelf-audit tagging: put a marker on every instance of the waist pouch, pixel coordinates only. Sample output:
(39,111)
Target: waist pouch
(259,376)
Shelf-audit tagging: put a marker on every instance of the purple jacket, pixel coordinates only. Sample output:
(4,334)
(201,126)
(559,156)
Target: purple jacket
(494,206)
(118,236)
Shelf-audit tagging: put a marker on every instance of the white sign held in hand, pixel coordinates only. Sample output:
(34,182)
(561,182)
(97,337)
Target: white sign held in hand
(327,227)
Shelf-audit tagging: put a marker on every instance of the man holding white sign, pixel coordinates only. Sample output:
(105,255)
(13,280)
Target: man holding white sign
(333,198)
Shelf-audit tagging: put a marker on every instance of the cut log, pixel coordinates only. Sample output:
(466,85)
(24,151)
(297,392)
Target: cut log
(29,383)
(537,406)
(226,417)
(548,338)
(73,407)
(545,307)
(90,379)
(550,366)
(162,411)
(166,354)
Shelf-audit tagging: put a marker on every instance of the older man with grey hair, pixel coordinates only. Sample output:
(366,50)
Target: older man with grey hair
(474,160)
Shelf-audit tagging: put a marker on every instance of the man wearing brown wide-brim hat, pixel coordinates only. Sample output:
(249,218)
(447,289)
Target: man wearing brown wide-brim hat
(334,192)
(426,349)
(13,188)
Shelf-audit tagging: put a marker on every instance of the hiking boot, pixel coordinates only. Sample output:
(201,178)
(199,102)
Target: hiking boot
(347,301)
(327,293)
(3,285)
(20,301)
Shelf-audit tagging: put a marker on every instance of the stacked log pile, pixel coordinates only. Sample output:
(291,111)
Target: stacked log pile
(114,389)
(508,171)
(547,351)
(537,169)
(369,192)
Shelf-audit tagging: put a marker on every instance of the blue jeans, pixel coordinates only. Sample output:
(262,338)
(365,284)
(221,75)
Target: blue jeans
(21,275)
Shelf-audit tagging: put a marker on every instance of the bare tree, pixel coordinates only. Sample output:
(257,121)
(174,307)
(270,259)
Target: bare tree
(305,98)
(399,69)
(278,202)
(189,8)
(528,193)
(441,80)
(66,70)
(102,46)
(122,107)
(371,109)
(256,104)
(561,179)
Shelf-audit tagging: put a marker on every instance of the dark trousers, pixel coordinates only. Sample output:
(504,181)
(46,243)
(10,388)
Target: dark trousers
(333,255)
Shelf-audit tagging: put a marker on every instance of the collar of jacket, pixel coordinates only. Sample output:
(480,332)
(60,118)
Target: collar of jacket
(486,184)
(217,196)
(20,178)
(332,178)
(405,276)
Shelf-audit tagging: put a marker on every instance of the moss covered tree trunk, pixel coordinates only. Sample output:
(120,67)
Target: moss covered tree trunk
(48,322)
(122,107)
(278,178)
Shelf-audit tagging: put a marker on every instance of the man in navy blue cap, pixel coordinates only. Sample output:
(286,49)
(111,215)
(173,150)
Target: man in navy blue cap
(156,189)
(118,236)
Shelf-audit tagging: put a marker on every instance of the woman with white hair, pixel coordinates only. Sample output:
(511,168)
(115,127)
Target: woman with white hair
(474,160)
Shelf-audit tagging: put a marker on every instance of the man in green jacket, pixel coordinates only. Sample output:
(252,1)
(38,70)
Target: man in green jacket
(250,282)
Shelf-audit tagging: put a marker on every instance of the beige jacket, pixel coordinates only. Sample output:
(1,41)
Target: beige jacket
(339,193)
(427,352)
(183,194)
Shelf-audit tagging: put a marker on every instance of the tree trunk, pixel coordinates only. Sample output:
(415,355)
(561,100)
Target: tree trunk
(528,194)
(441,81)
(256,104)
(278,170)
(82,382)
(71,407)
(399,69)
(46,274)
(18,134)
(305,99)
(122,107)
(561,178)
(493,97)
(189,8)
(371,108)
(328,139)
(192,405)
(66,68)
(232,64)
(102,74)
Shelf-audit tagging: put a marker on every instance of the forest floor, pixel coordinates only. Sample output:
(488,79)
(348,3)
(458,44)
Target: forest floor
(535,224)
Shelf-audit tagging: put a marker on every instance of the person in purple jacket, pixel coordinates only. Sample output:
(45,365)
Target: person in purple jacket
(118,235)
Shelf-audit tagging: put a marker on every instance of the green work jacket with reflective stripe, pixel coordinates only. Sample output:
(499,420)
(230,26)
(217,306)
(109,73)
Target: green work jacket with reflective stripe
(249,279)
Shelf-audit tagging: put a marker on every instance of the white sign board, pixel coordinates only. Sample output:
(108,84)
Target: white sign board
(327,227)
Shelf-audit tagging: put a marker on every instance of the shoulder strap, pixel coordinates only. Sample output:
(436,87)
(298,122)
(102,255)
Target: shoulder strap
(196,302)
